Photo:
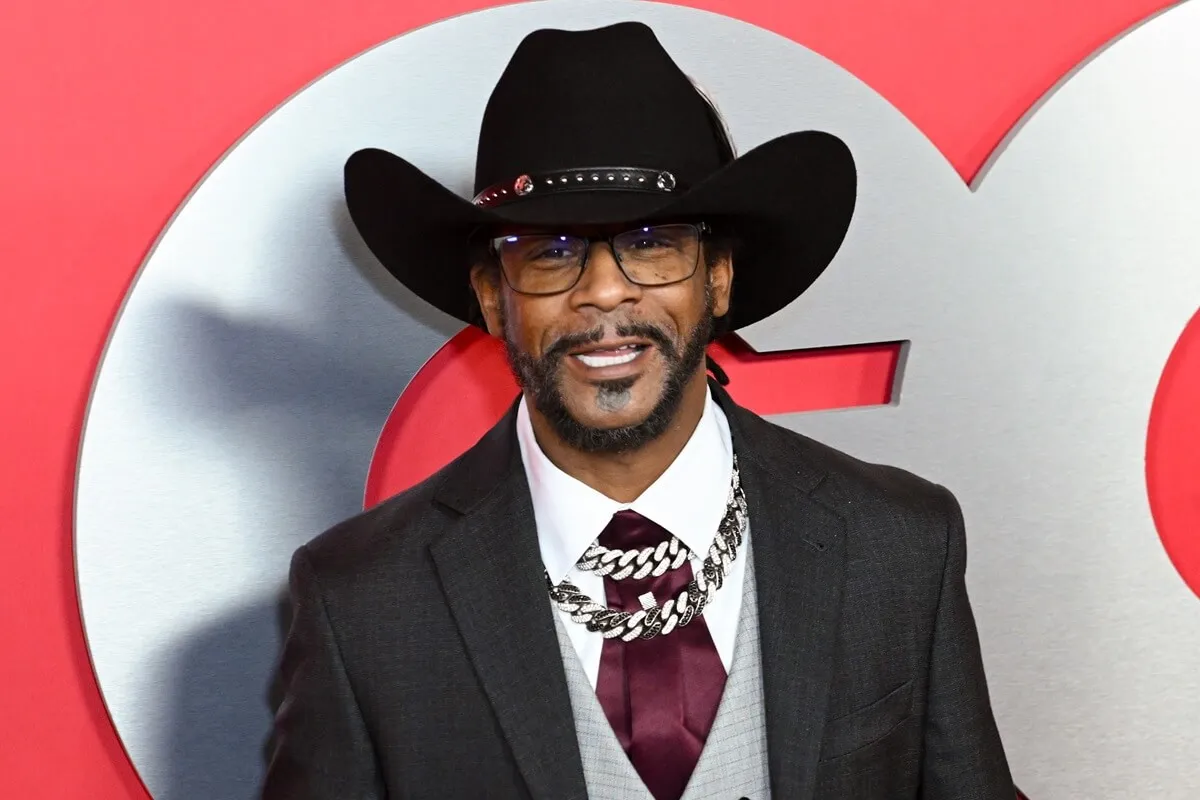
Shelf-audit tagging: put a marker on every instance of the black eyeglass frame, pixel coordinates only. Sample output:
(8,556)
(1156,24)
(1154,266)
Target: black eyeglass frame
(702,230)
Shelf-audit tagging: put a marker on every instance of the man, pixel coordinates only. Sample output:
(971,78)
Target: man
(630,587)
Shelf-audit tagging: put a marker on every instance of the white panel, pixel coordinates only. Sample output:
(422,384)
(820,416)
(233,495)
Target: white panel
(1039,330)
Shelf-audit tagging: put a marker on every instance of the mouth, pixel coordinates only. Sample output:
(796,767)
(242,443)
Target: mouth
(604,355)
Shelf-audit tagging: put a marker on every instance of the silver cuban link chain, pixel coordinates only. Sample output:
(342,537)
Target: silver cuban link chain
(635,564)
(687,605)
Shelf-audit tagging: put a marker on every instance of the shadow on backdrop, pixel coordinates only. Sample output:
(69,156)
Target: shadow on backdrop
(292,403)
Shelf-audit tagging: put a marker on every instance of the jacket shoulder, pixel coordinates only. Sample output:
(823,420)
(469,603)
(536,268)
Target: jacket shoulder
(851,483)
(899,526)
(374,546)
(381,537)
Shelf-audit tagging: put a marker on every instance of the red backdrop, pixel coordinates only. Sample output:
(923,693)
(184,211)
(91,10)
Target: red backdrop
(114,110)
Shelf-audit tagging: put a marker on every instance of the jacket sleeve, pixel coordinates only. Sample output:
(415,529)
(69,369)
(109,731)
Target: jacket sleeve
(963,757)
(322,750)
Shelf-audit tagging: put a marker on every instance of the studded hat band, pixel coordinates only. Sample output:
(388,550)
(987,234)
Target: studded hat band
(638,179)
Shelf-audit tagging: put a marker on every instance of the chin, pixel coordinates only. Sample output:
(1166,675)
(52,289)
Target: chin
(601,408)
(581,420)
(612,422)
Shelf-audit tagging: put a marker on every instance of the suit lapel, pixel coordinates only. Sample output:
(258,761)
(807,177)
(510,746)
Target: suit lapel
(799,547)
(492,575)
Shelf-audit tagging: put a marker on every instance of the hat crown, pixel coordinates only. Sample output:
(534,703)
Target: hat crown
(609,96)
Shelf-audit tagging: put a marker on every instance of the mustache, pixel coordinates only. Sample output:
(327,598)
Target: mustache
(641,330)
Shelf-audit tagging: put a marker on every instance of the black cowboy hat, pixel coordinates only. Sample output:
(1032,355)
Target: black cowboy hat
(598,127)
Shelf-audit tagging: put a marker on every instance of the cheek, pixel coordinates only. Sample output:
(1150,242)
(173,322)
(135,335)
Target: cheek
(529,322)
(686,307)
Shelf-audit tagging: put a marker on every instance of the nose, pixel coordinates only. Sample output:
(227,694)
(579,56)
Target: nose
(603,285)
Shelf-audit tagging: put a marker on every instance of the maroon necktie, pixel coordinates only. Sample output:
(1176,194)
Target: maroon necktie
(660,695)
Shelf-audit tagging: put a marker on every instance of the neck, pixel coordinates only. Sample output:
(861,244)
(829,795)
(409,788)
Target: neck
(624,476)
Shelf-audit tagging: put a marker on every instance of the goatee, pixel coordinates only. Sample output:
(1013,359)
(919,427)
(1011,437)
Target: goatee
(540,378)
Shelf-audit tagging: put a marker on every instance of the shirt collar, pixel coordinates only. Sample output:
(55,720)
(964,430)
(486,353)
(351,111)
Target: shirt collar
(688,499)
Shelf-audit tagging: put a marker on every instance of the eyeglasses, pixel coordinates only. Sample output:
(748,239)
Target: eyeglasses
(547,263)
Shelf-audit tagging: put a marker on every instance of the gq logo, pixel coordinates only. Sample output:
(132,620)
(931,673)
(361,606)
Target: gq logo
(1026,343)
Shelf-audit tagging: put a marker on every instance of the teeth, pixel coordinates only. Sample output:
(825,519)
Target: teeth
(608,361)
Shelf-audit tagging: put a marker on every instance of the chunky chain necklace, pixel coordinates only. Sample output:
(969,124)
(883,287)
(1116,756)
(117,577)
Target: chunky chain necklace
(654,620)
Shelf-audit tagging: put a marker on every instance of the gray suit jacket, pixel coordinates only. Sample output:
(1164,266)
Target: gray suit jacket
(422,661)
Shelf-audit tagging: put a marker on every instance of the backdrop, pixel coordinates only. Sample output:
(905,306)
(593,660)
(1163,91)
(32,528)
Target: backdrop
(1072,248)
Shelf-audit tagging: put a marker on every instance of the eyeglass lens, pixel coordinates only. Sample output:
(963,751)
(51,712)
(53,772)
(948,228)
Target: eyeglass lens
(551,263)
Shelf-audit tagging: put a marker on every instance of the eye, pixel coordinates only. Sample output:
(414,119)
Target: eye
(559,247)
(648,239)
(541,251)
(656,241)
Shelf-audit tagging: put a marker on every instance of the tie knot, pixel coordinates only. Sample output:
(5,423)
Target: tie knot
(629,530)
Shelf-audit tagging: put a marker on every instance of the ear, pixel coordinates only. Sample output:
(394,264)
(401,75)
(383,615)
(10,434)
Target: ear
(720,278)
(485,280)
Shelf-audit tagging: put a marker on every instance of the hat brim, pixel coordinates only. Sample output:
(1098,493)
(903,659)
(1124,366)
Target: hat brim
(789,202)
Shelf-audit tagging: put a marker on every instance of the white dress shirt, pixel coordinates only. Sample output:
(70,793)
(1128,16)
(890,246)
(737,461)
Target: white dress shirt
(688,500)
